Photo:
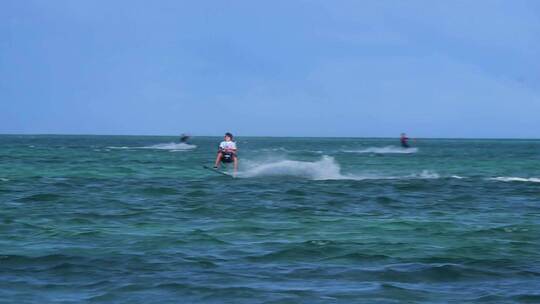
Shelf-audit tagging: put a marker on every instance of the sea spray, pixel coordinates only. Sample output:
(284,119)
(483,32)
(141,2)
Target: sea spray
(325,168)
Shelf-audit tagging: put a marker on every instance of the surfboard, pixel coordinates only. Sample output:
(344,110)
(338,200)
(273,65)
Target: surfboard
(218,171)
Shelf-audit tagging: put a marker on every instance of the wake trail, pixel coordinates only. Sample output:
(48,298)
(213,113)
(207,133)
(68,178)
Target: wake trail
(165,146)
(384,150)
(324,169)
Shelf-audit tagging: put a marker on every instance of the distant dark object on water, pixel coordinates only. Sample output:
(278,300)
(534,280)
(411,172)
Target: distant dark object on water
(404,140)
(184,138)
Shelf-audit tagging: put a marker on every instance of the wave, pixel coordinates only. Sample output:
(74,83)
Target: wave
(278,149)
(4,179)
(165,146)
(515,179)
(41,197)
(384,150)
(426,174)
(324,169)
(113,147)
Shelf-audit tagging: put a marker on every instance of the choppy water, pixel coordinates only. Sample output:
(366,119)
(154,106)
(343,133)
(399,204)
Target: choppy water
(112,219)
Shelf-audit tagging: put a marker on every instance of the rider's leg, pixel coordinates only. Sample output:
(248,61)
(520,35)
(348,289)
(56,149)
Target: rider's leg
(218,160)
(235,160)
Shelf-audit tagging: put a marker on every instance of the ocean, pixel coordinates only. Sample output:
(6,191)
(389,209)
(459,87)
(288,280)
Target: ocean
(137,219)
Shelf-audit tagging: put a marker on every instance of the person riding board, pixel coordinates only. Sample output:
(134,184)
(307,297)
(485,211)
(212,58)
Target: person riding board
(184,138)
(404,140)
(227,152)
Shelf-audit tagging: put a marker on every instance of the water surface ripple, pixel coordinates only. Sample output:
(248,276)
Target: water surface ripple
(125,219)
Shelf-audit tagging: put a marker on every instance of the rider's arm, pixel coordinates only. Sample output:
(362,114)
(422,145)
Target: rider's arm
(221,147)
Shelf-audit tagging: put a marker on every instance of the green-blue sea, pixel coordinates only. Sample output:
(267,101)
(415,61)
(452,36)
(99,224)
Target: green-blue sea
(135,219)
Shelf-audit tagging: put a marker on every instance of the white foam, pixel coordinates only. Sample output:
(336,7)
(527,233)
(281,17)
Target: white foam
(121,147)
(167,146)
(171,146)
(424,174)
(427,174)
(284,150)
(325,169)
(457,176)
(4,179)
(384,150)
(516,179)
(281,149)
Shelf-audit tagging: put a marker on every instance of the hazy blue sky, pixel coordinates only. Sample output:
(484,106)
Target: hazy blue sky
(314,68)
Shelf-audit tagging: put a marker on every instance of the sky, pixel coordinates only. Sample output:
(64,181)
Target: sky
(271,68)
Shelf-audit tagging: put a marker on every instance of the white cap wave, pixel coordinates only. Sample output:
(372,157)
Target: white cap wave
(516,179)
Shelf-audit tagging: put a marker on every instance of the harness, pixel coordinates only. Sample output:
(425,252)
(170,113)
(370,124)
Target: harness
(404,142)
(227,157)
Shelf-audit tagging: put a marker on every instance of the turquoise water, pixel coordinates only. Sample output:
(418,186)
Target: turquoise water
(120,219)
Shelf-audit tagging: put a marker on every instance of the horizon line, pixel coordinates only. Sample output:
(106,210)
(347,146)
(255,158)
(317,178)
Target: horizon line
(271,136)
